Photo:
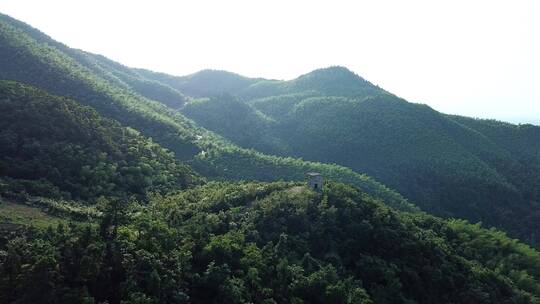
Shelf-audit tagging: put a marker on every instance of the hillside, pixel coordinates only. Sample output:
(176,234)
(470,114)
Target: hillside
(52,146)
(268,243)
(450,166)
(114,91)
(440,164)
(126,186)
(28,56)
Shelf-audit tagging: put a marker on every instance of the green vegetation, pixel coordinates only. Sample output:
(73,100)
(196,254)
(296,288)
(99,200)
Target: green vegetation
(333,81)
(203,83)
(84,140)
(18,214)
(51,146)
(449,166)
(125,77)
(29,56)
(237,164)
(253,129)
(265,243)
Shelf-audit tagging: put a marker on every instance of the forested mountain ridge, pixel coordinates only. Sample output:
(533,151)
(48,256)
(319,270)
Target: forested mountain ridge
(75,125)
(450,166)
(268,243)
(332,81)
(29,56)
(52,146)
(203,83)
(441,164)
(120,75)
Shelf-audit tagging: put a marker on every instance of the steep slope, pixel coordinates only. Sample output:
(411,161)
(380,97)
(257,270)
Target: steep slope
(116,73)
(29,56)
(268,243)
(126,77)
(236,121)
(521,140)
(51,146)
(452,167)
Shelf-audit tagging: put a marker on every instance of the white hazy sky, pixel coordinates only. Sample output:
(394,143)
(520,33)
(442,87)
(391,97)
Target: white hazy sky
(476,58)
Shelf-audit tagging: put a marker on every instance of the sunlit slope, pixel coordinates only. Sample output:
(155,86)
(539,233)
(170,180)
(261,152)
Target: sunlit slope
(451,166)
(269,243)
(29,56)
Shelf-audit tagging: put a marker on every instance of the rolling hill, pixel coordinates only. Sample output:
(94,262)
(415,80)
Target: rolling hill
(450,166)
(328,116)
(115,165)
(148,106)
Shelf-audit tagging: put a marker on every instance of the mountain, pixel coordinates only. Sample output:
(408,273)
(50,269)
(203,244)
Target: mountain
(116,92)
(31,57)
(450,166)
(51,146)
(330,115)
(328,82)
(109,157)
(203,83)
(268,243)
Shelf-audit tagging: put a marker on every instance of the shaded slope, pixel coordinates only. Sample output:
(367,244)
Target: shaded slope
(30,56)
(126,77)
(236,121)
(112,71)
(52,146)
(451,167)
(43,64)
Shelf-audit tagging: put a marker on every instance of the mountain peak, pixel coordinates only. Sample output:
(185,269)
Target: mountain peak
(332,73)
(336,80)
(335,69)
(214,73)
(213,82)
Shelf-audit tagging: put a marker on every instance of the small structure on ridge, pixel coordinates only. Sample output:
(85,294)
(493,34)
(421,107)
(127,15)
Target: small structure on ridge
(315,181)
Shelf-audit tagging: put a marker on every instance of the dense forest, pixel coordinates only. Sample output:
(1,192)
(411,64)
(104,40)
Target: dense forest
(51,146)
(267,243)
(29,56)
(450,166)
(122,185)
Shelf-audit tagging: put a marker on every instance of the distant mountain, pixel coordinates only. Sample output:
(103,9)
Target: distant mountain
(330,81)
(52,146)
(149,106)
(450,166)
(203,83)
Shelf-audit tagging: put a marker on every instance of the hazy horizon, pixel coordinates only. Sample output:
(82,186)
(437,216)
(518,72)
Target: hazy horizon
(475,59)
